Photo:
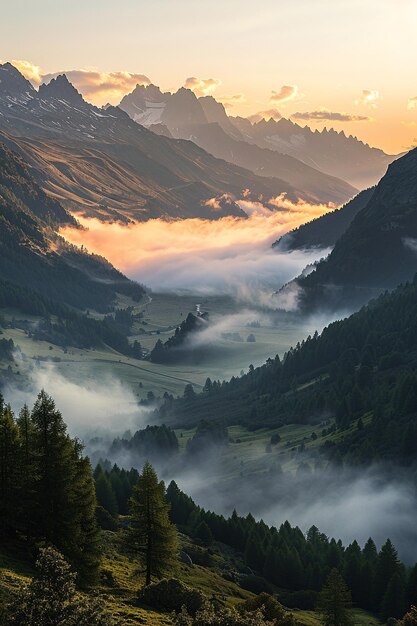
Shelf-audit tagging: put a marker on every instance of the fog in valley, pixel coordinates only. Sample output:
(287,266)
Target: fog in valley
(231,257)
(343,503)
(227,256)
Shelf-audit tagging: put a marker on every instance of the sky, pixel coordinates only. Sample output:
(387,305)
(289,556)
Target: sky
(346,64)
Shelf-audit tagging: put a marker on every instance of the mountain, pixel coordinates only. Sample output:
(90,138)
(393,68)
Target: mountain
(324,231)
(33,258)
(263,162)
(378,250)
(204,122)
(101,163)
(216,113)
(328,150)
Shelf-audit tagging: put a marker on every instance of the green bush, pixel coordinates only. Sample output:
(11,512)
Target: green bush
(256,584)
(171,595)
(305,600)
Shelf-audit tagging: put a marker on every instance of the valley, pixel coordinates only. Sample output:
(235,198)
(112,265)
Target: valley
(208,315)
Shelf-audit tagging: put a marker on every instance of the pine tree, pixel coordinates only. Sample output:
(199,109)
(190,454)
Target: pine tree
(105,494)
(412,587)
(204,533)
(64,490)
(88,547)
(387,565)
(152,536)
(393,602)
(9,469)
(335,601)
(28,469)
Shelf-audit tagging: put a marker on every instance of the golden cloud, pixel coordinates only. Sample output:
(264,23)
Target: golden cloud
(269,114)
(102,86)
(229,100)
(412,103)
(287,92)
(202,86)
(324,115)
(369,97)
(29,70)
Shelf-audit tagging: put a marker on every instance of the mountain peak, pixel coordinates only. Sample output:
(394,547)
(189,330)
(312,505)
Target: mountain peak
(13,83)
(61,89)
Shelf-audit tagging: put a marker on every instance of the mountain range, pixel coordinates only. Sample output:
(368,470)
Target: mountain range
(186,116)
(101,163)
(328,150)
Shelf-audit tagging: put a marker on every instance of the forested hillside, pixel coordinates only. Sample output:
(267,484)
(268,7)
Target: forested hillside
(324,231)
(378,251)
(122,532)
(363,365)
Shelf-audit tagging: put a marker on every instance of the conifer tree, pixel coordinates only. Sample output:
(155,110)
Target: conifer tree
(387,565)
(9,469)
(152,536)
(64,490)
(104,492)
(393,602)
(335,601)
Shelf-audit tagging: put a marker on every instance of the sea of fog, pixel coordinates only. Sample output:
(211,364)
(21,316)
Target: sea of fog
(229,256)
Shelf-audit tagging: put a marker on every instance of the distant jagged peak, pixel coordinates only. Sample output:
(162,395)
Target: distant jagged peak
(150,92)
(61,89)
(12,81)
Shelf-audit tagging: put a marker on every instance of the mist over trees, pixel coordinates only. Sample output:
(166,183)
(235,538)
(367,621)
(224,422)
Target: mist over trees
(46,486)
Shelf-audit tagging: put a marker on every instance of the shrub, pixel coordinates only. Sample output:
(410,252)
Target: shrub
(271,609)
(305,600)
(171,595)
(210,615)
(256,584)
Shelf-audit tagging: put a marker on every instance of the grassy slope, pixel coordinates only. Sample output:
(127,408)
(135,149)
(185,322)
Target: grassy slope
(120,582)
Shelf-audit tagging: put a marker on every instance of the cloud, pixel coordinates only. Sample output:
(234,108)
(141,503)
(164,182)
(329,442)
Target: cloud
(29,70)
(325,115)
(105,404)
(412,103)
(287,92)
(376,503)
(100,87)
(368,97)
(229,100)
(203,256)
(202,86)
(273,114)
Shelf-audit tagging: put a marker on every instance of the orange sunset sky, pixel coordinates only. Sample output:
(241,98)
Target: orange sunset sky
(346,64)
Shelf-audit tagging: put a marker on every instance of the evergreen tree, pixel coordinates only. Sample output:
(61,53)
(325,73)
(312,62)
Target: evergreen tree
(204,533)
(335,601)
(387,565)
(152,535)
(393,602)
(412,587)
(9,469)
(105,494)
(64,490)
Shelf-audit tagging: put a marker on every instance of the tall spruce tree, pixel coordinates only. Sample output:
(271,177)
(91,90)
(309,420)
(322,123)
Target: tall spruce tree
(152,536)
(10,474)
(335,601)
(64,490)
(387,565)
